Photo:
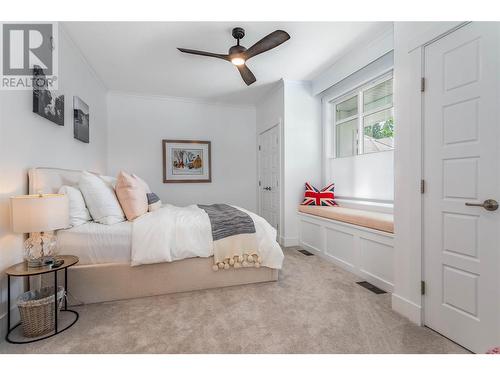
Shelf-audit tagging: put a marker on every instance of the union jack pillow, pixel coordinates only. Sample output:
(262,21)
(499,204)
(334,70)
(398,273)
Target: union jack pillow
(323,197)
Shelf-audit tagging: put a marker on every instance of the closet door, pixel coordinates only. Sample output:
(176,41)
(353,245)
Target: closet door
(462,170)
(269,175)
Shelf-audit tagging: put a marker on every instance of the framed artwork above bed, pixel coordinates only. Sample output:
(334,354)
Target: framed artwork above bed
(186,161)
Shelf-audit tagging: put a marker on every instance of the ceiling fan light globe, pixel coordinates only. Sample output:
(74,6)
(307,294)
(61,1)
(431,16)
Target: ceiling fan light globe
(238,61)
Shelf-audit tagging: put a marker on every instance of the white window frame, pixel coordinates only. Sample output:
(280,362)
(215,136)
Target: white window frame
(360,115)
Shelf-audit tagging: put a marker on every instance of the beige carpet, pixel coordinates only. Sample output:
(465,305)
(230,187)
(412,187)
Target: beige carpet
(315,307)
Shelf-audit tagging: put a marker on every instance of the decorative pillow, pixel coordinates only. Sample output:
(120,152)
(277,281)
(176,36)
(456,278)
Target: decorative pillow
(146,186)
(154,202)
(132,195)
(78,212)
(315,197)
(100,199)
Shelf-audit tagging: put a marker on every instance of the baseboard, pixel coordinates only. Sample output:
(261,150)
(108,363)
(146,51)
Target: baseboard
(408,309)
(14,318)
(377,281)
(374,279)
(312,249)
(289,241)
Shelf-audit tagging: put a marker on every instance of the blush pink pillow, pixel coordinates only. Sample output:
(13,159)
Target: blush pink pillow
(131,194)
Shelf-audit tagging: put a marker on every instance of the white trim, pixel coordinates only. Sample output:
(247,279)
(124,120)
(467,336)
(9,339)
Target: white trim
(297,83)
(438,30)
(381,66)
(414,240)
(407,308)
(281,220)
(288,241)
(364,242)
(177,98)
(407,212)
(417,118)
(360,115)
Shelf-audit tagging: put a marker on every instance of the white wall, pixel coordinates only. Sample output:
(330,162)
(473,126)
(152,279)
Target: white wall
(408,39)
(28,140)
(365,52)
(137,125)
(302,150)
(270,110)
(292,104)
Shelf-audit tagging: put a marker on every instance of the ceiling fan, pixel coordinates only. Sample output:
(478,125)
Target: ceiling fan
(238,55)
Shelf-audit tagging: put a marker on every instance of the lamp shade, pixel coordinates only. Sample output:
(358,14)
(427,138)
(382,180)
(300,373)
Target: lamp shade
(39,213)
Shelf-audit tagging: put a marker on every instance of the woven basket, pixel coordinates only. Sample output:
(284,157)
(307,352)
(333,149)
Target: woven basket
(36,308)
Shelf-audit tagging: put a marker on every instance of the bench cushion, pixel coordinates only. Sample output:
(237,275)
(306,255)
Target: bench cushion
(367,219)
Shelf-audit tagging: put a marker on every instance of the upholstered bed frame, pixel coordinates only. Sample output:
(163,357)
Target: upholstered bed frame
(114,281)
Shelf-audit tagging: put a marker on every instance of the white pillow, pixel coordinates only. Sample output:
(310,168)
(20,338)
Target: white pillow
(109,180)
(78,212)
(101,199)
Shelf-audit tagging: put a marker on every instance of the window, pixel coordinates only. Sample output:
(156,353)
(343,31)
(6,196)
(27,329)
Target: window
(364,120)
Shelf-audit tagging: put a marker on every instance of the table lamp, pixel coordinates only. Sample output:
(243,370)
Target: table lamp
(38,214)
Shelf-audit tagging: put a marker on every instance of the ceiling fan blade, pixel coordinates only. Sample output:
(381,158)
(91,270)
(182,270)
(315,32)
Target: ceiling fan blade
(246,74)
(268,42)
(203,53)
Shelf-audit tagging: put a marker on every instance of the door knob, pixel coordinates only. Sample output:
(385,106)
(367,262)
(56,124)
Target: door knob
(488,204)
(267,188)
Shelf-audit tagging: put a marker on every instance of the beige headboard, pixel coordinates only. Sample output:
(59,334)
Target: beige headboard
(49,180)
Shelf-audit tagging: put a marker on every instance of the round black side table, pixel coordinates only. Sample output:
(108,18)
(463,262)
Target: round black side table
(22,270)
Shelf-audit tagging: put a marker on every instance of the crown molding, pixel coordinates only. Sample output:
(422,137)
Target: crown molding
(178,99)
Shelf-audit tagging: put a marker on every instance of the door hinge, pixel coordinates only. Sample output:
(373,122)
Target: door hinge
(422,186)
(422,84)
(259,147)
(259,183)
(422,287)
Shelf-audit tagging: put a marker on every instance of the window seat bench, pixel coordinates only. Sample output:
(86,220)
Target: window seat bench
(368,219)
(359,241)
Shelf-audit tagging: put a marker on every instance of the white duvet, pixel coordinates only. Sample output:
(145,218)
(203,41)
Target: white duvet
(174,233)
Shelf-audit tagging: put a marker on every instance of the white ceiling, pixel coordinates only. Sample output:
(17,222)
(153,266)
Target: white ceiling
(142,57)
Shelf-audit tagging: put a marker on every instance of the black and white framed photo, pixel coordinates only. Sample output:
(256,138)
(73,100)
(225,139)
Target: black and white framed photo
(186,161)
(46,103)
(80,120)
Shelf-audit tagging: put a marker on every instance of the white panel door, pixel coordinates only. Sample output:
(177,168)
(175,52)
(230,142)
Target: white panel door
(461,167)
(269,175)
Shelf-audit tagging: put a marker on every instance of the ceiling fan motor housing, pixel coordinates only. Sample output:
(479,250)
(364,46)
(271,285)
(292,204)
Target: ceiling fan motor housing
(238,33)
(234,50)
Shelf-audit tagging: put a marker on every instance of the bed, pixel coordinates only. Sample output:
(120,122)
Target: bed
(104,272)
